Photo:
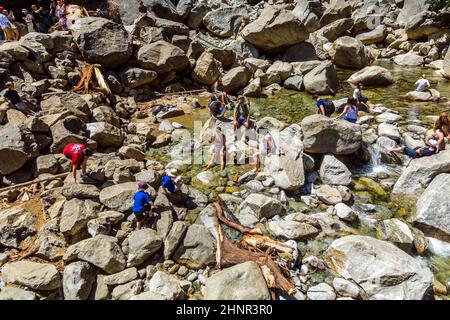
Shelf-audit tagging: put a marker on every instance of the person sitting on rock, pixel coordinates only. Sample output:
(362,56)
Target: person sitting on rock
(79,154)
(142,203)
(13,97)
(216,109)
(422,84)
(266,148)
(170,182)
(241,116)
(418,152)
(218,149)
(324,107)
(361,101)
(220,93)
(442,123)
(350,111)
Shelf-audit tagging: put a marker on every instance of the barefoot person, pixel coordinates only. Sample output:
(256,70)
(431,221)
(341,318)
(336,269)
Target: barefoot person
(218,149)
(422,84)
(215,106)
(79,155)
(142,203)
(241,116)
(13,97)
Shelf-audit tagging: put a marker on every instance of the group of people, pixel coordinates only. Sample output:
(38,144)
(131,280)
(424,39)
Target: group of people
(79,154)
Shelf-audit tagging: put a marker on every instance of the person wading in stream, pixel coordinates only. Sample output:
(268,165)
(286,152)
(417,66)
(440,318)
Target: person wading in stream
(218,149)
(79,154)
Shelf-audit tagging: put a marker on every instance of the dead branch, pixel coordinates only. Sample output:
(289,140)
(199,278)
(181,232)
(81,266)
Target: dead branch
(219,212)
(229,255)
(36,181)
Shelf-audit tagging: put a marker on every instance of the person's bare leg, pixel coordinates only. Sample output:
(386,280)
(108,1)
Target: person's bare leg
(138,225)
(222,160)
(399,150)
(211,161)
(83,166)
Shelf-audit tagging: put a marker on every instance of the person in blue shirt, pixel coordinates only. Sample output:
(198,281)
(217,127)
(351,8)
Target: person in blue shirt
(324,107)
(142,203)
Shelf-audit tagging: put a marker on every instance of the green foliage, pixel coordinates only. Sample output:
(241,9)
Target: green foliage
(437,5)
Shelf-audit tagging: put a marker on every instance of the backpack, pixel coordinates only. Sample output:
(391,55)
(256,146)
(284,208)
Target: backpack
(329,107)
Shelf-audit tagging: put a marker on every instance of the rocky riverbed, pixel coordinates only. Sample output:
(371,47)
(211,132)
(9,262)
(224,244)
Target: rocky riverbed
(351,214)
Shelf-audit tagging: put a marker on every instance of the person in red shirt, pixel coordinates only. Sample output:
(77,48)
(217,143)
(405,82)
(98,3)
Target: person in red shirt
(79,154)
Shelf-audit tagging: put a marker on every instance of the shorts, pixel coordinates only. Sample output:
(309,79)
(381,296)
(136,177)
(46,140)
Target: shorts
(350,120)
(140,216)
(21,106)
(410,152)
(363,99)
(241,121)
(79,163)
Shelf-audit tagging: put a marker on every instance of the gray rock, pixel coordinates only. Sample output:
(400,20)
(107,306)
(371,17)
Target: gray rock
(207,69)
(198,248)
(408,59)
(119,197)
(174,238)
(235,79)
(322,79)
(389,130)
(346,288)
(225,20)
(76,214)
(322,291)
(257,206)
(128,290)
(136,77)
(345,213)
(292,230)
(432,208)
(334,172)
(78,279)
(36,276)
(329,195)
(372,76)
(101,251)
(142,245)
(102,41)
(369,262)
(244,281)
(16,224)
(164,286)
(348,52)
(397,232)
(162,57)
(122,277)
(12,293)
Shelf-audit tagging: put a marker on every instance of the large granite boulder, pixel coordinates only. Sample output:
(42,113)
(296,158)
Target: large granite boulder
(136,77)
(207,69)
(433,207)
(102,41)
(78,279)
(142,245)
(16,225)
(119,197)
(257,206)
(224,21)
(17,147)
(162,57)
(325,135)
(372,76)
(236,79)
(274,29)
(334,172)
(431,95)
(244,281)
(102,251)
(322,79)
(409,59)
(198,248)
(421,172)
(105,134)
(348,52)
(384,271)
(36,276)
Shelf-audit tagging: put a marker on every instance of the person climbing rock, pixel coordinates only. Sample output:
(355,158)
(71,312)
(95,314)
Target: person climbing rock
(324,107)
(142,204)
(79,154)
(350,111)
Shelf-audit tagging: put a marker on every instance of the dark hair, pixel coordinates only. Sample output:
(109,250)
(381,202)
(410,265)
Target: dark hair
(351,100)
(213,97)
(359,84)
(315,97)
(88,152)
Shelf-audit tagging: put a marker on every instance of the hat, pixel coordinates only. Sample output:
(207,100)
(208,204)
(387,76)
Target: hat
(142,185)
(433,142)
(172,172)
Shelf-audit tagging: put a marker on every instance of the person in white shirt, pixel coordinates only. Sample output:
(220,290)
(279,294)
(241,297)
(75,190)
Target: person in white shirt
(361,101)
(422,84)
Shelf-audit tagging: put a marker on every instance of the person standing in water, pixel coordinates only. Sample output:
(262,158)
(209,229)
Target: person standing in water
(218,149)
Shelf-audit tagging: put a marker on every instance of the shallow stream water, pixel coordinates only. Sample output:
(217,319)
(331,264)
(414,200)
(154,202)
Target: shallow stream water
(291,107)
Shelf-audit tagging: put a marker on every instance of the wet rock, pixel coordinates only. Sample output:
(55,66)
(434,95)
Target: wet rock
(348,52)
(397,232)
(244,281)
(78,279)
(102,41)
(369,261)
(198,248)
(334,172)
(322,291)
(142,245)
(372,76)
(274,29)
(433,207)
(325,135)
(322,79)
(431,95)
(36,276)
(101,251)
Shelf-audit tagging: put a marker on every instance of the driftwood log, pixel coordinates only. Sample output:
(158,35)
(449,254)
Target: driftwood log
(36,181)
(228,254)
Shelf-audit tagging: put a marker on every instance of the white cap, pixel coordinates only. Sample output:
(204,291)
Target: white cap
(433,142)
(172,172)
